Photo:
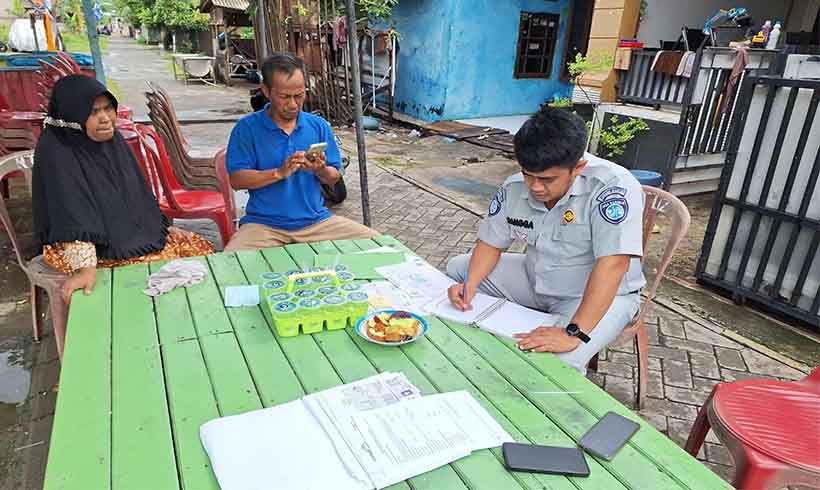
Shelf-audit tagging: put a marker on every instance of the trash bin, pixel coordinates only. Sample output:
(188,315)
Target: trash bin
(648,177)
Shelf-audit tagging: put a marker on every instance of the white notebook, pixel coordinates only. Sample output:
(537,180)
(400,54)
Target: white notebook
(495,315)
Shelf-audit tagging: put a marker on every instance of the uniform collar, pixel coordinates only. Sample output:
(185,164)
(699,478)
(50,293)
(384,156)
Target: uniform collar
(579,186)
(268,122)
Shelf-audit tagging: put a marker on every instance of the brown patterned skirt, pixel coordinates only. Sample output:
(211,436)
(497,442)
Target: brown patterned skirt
(177,246)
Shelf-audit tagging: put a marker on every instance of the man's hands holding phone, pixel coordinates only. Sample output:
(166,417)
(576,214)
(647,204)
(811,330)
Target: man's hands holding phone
(312,160)
(291,165)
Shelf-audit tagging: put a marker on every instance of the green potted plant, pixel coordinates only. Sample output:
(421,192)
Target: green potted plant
(578,69)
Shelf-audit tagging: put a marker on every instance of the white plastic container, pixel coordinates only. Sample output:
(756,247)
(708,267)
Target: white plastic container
(774,36)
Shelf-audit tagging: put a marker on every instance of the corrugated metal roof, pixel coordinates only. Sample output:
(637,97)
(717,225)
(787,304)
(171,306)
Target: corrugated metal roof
(231,4)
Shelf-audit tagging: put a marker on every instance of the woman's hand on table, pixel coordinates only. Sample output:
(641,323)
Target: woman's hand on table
(458,298)
(84,279)
(547,339)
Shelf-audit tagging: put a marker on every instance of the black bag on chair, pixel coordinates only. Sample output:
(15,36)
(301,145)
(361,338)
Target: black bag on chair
(334,194)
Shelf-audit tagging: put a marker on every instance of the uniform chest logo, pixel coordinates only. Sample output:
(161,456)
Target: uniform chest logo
(613,205)
(569,216)
(521,223)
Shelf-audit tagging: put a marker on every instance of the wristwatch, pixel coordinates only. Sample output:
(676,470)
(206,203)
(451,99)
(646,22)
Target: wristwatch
(574,330)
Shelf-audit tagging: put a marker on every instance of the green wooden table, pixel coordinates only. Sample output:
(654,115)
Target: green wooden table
(140,376)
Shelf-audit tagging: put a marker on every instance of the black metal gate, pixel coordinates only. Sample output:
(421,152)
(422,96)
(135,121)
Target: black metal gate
(763,235)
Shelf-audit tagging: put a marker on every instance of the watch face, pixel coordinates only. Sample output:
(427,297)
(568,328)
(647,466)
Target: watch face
(572,329)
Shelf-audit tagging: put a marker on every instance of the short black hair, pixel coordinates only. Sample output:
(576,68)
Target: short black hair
(282,62)
(551,137)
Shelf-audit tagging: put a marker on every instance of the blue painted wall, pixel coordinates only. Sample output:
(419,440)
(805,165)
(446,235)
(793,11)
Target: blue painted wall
(457,58)
(421,84)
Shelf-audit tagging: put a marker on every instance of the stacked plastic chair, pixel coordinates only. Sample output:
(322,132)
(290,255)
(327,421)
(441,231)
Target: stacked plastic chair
(192,173)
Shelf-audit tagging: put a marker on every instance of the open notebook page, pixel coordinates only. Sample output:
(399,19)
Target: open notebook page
(481,303)
(512,318)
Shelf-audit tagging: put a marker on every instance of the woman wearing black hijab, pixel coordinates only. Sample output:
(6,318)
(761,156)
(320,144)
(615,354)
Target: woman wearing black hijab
(92,206)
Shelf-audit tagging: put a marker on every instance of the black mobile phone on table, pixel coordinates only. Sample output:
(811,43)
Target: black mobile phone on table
(545,459)
(608,435)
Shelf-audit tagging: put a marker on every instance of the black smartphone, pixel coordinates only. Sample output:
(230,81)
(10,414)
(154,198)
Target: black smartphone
(545,459)
(608,435)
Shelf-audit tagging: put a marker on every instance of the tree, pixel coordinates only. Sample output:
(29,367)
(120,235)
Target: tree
(132,10)
(178,14)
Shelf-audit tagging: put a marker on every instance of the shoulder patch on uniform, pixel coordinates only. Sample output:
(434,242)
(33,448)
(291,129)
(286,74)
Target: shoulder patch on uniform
(495,204)
(609,192)
(613,205)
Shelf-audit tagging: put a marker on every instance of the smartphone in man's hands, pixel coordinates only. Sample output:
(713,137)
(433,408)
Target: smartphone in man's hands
(316,149)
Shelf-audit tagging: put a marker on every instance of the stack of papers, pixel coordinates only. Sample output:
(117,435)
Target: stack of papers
(383,295)
(419,281)
(364,435)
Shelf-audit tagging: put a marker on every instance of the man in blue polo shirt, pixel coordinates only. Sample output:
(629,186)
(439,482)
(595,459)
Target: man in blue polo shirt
(266,155)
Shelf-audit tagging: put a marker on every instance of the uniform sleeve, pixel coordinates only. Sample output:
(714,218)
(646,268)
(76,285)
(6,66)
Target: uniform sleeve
(241,153)
(494,229)
(617,220)
(333,156)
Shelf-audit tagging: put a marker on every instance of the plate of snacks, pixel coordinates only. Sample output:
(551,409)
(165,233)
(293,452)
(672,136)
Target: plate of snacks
(391,327)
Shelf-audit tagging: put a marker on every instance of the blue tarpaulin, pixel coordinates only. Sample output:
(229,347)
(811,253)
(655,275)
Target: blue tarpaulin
(33,59)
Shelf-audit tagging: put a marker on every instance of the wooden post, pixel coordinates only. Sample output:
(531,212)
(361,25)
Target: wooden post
(264,44)
(93,39)
(33,19)
(227,55)
(353,45)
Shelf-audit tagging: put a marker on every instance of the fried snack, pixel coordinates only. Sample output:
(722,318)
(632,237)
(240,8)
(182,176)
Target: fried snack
(396,327)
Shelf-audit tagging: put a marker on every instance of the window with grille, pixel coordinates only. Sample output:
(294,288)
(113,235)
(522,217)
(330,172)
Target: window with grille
(536,45)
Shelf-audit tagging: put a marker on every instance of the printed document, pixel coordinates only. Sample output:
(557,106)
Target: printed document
(368,435)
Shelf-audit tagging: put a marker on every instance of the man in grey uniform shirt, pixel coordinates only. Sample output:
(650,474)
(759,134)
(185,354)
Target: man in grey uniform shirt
(581,217)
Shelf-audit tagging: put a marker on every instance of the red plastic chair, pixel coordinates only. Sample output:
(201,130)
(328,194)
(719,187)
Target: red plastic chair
(771,428)
(174,200)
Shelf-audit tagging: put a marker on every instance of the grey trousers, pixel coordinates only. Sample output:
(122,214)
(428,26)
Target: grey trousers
(510,280)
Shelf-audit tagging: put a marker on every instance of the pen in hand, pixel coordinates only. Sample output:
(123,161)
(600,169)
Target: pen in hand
(464,293)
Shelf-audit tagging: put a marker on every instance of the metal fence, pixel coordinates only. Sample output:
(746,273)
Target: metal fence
(711,99)
(642,85)
(763,235)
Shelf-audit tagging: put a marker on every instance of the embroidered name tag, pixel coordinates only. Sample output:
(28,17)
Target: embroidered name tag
(521,223)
